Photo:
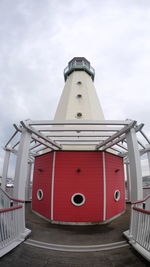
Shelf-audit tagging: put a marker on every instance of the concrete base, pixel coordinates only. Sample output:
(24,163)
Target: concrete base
(80,223)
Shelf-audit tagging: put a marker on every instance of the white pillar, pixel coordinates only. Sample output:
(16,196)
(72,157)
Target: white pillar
(28,182)
(21,171)
(148,157)
(135,166)
(5,168)
(128,182)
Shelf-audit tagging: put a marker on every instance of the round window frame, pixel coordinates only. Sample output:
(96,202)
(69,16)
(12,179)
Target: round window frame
(76,204)
(117,192)
(39,191)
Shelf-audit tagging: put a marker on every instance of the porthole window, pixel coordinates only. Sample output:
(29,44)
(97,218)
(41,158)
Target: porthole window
(117,195)
(39,194)
(79,82)
(78,199)
(79,115)
(79,96)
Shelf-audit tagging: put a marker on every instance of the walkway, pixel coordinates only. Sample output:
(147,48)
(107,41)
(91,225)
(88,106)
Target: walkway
(100,236)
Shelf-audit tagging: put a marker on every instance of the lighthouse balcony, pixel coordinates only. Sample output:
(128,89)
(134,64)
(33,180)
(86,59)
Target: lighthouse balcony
(77,64)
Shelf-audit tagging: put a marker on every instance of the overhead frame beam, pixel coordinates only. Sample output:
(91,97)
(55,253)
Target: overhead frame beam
(75,134)
(145,136)
(116,135)
(42,142)
(32,130)
(42,150)
(11,138)
(83,122)
(123,147)
(82,132)
(78,129)
(82,143)
(80,139)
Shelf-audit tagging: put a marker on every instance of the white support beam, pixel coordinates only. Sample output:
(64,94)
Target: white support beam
(28,182)
(145,150)
(148,157)
(81,122)
(144,135)
(75,134)
(140,143)
(32,130)
(35,146)
(42,142)
(5,168)
(16,144)
(79,139)
(135,166)
(128,181)
(115,136)
(11,138)
(78,129)
(114,142)
(42,150)
(21,171)
(79,143)
(123,147)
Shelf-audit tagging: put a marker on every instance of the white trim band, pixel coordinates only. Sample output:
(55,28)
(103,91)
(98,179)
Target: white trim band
(104,186)
(52,186)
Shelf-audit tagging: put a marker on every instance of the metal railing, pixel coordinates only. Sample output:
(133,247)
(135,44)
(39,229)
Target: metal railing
(146,191)
(12,223)
(139,233)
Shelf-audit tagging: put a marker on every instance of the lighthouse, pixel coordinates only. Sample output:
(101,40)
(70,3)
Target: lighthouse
(78,184)
(79,100)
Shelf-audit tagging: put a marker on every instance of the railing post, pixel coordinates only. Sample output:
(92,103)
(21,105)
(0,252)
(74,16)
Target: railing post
(5,168)
(128,181)
(28,182)
(135,166)
(131,223)
(148,157)
(21,170)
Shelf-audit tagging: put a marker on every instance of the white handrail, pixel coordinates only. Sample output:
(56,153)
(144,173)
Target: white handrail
(139,233)
(12,223)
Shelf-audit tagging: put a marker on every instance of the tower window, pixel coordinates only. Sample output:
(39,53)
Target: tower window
(79,82)
(79,96)
(79,115)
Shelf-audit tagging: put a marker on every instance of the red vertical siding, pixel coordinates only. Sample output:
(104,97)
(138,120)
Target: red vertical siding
(42,180)
(89,181)
(114,181)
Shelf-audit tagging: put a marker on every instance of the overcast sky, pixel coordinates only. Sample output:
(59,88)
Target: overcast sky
(39,37)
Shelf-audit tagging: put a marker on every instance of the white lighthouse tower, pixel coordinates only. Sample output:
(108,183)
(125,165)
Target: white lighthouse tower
(79,100)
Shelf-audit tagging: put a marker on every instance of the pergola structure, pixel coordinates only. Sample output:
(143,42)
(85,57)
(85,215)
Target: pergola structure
(33,138)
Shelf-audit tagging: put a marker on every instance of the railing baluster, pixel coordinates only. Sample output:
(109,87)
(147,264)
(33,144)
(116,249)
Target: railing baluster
(12,221)
(140,223)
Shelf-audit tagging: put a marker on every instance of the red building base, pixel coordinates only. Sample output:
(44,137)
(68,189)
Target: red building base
(78,187)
